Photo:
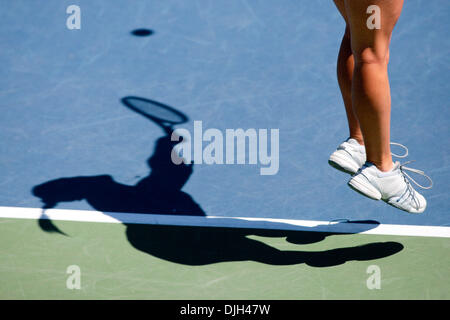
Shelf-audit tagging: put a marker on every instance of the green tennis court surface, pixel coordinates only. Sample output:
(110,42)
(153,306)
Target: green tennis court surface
(183,262)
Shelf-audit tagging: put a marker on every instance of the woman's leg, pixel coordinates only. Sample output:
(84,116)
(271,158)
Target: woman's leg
(345,67)
(370,90)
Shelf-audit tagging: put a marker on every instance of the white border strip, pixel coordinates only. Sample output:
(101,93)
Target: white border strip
(230,222)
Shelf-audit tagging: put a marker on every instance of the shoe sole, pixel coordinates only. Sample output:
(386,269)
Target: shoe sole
(340,163)
(412,211)
(362,186)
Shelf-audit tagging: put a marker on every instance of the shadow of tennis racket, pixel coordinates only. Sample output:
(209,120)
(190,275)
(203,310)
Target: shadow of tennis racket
(164,116)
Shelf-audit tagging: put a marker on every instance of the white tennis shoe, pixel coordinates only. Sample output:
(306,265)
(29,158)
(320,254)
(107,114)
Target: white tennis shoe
(393,186)
(350,156)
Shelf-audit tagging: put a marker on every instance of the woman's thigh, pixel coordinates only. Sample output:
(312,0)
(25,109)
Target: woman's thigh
(371,43)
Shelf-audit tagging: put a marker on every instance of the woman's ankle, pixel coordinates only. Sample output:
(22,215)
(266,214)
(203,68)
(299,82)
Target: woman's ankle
(383,165)
(358,138)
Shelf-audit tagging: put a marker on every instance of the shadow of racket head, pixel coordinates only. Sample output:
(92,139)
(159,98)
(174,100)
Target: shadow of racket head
(161,114)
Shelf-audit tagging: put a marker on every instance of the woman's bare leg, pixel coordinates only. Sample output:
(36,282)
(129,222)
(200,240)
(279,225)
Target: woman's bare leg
(370,91)
(345,67)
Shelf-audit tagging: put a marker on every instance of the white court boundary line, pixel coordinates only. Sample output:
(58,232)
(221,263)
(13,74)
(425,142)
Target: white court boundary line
(230,222)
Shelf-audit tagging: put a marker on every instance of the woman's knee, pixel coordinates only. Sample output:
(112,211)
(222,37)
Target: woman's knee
(371,55)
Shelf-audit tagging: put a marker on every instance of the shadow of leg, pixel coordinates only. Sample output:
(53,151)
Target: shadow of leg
(206,245)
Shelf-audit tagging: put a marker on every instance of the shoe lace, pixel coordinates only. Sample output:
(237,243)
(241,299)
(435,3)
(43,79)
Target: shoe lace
(402,146)
(403,168)
(409,189)
(344,147)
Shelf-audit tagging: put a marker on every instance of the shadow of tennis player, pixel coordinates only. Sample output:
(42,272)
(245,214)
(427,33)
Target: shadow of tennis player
(160,192)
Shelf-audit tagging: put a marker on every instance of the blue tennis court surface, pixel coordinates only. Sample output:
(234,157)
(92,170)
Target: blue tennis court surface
(229,64)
